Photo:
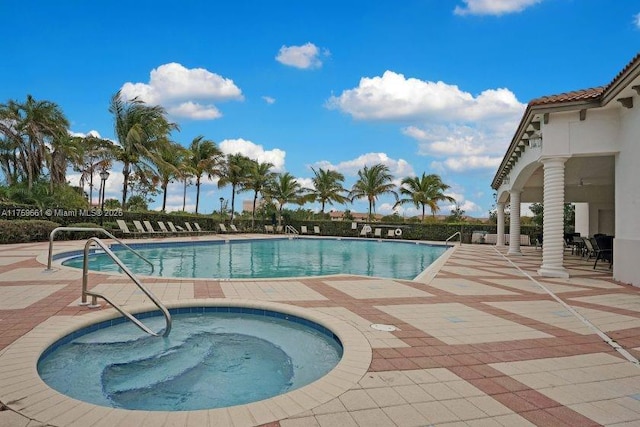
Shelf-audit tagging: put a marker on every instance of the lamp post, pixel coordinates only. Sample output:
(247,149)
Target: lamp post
(221,205)
(104,175)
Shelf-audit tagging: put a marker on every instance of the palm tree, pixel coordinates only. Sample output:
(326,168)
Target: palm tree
(234,171)
(260,176)
(427,190)
(204,159)
(373,182)
(33,126)
(97,154)
(140,129)
(327,187)
(285,189)
(173,158)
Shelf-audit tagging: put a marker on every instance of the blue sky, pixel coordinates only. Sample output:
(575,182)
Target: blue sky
(435,86)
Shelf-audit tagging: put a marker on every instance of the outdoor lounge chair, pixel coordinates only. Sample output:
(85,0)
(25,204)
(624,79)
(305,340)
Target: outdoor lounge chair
(139,226)
(303,229)
(377,232)
(174,228)
(316,230)
(223,228)
(391,234)
(279,229)
(163,227)
(588,250)
(234,228)
(123,226)
(268,229)
(149,227)
(189,228)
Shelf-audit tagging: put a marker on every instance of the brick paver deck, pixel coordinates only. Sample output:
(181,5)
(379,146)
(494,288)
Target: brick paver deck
(481,343)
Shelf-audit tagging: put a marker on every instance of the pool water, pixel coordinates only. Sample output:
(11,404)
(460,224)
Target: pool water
(210,360)
(269,258)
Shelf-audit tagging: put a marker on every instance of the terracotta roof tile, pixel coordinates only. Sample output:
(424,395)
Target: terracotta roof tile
(584,94)
(576,95)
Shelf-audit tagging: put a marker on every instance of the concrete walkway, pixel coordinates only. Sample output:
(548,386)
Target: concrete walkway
(479,343)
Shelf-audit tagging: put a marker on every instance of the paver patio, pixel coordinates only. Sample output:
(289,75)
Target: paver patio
(480,344)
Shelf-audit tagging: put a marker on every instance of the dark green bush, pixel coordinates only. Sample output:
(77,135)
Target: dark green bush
(25,231)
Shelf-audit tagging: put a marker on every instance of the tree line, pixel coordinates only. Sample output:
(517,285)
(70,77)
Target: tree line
(37,149)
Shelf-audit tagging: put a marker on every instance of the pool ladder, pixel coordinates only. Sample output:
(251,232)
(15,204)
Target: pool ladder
(95,295)
(289,229)
(457,233)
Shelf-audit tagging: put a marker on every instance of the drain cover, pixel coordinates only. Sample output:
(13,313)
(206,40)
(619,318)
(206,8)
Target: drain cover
(382,327)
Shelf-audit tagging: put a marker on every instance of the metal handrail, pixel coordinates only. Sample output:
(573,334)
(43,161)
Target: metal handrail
(289,229)
(55,230)
(96,295)
(457,233)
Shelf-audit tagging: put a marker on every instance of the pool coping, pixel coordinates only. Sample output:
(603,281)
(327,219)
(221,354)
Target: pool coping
(22,389)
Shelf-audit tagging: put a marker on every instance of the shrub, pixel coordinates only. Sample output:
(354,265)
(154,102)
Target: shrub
(25,231)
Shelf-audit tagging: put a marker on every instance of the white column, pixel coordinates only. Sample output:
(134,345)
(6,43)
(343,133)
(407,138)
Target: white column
(553,220)
(500,218)
(514,223)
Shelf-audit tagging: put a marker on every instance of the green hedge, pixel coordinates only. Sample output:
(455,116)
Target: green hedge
(29,228)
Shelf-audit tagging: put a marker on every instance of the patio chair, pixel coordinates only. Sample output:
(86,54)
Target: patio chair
(303,229)
(377,233)
(234,228)
(366,230)
(603,247)
(316,230)
(139,227)
(123,226)
(223,228)
(149,227)
(588,250)
(172,227)
(163,227)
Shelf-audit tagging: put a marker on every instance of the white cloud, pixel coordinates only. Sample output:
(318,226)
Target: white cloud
(306,56)
(636,20)
(493,7)
(195,111)
(177,88)
(305,182)
(462,131)
(93,133)
(472,162)
(394,97)
(255,152)
(269,100)
(399,168)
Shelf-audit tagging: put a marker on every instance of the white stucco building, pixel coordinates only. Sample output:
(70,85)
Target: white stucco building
(579,147)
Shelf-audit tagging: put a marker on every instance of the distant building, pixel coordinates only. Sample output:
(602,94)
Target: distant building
(357,217)
(247,205)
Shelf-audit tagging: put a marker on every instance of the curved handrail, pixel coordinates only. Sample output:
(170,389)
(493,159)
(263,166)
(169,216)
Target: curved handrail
(55,230)
(289,229)
(457,233)
(95,295)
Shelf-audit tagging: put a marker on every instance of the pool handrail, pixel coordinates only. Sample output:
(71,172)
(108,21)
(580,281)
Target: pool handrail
(96,295)
(289,229)
(457,233)
(102,230)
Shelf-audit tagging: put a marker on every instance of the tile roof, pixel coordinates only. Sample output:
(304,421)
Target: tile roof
(585,94)
(576,95)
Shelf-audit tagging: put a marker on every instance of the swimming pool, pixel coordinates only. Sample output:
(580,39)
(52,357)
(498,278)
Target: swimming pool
(269,258)
(215,357)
